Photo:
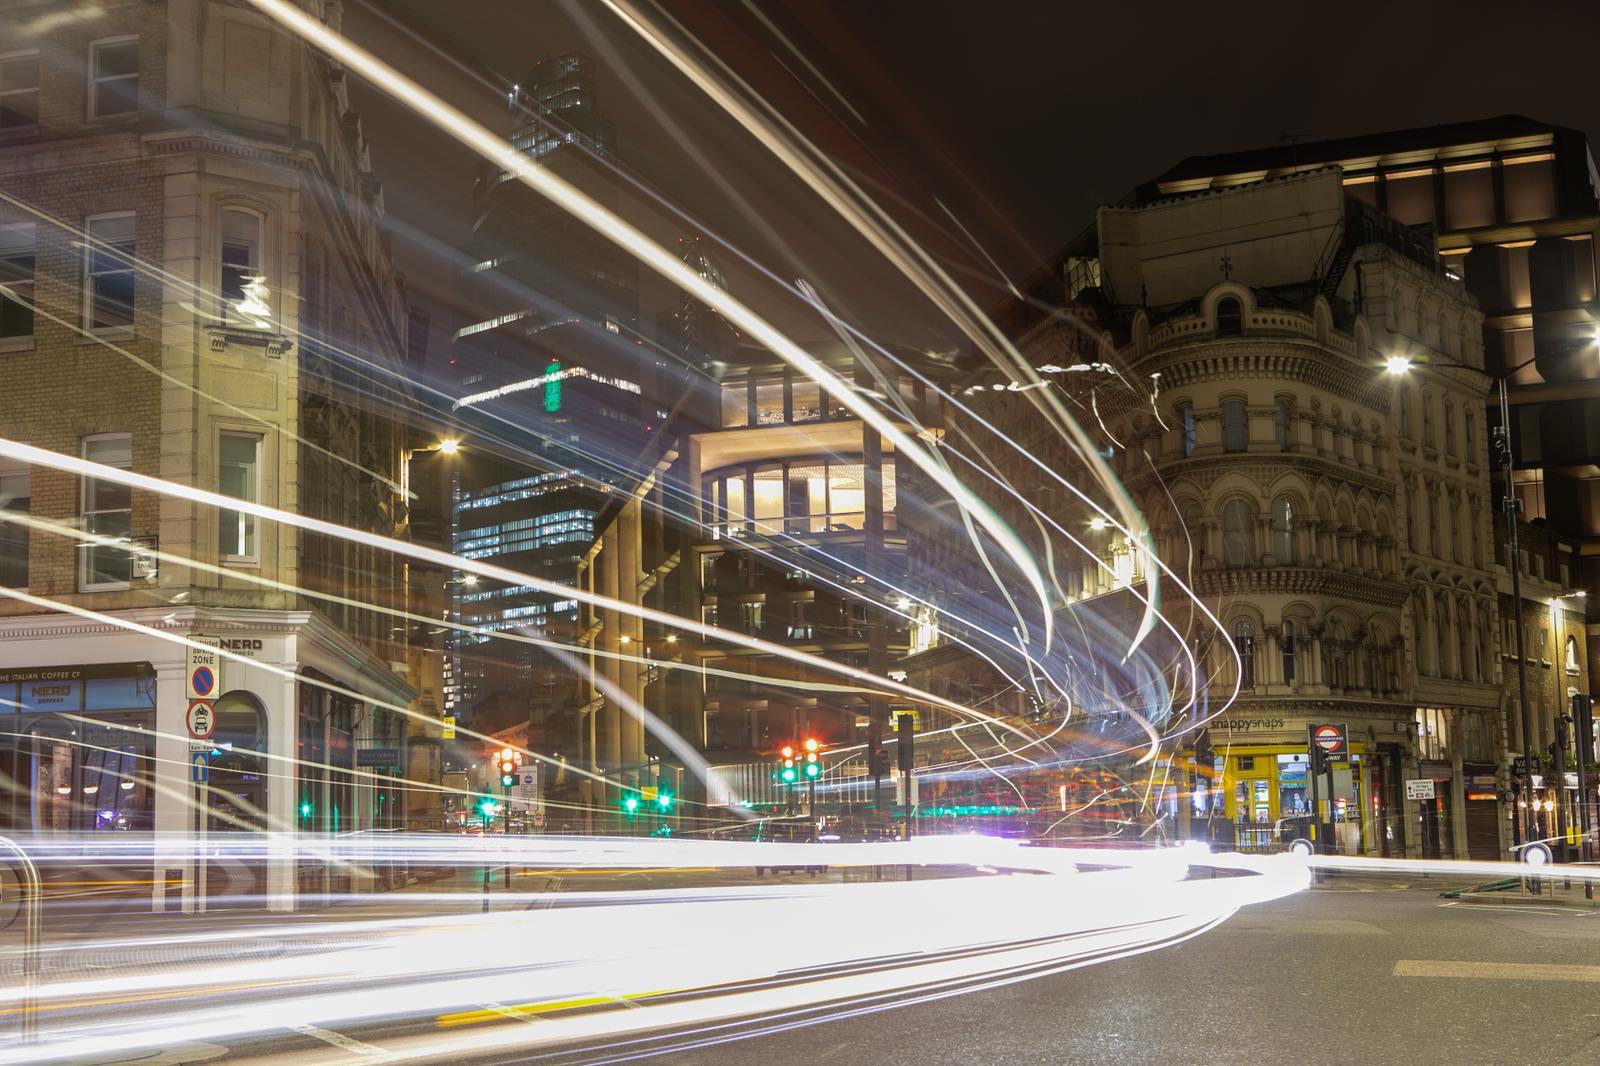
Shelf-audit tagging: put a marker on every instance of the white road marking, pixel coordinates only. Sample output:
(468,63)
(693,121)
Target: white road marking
(1496,971)
(338,1040)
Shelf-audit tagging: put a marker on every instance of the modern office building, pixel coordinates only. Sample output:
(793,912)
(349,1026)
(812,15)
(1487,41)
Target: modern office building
(203,294)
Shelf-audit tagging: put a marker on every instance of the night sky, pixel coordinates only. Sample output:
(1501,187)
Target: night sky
(1017,117)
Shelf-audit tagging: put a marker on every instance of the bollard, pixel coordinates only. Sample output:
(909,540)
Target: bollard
(32,896)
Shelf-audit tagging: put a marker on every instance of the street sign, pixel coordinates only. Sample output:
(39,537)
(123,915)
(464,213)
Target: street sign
(378,757)
(894,719)
(201,719)
(199,766)
(447,727)
(205,672)
(1332,738)
(1420,789)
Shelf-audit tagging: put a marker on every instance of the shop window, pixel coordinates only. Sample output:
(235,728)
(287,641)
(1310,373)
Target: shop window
(108,272)
(107,509)
(241,266)
(15,496)
(1280,422)
(1410,196)
(1283,531)
(1469,195)
(1244,645)
(1530,187)
(16,274)
(19,91)
(114,77)
(238,478)
(1237,547)
(1235,426)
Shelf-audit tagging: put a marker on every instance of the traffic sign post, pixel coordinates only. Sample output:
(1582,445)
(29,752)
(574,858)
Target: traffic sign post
(201,719)
(1326,743)
(199,767)
(205,672)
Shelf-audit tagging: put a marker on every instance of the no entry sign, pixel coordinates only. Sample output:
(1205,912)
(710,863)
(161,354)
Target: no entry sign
(1331,738)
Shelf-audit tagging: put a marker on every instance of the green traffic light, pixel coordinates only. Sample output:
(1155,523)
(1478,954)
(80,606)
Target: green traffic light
(488,807)
(305,808)
(788,775)
(664,801)
(812,769)
(630,803)
(507,780)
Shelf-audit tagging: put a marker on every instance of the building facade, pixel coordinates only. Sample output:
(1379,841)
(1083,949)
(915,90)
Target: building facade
(199,292)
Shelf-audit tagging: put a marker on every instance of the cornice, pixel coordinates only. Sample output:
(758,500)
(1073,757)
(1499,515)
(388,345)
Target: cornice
(1302,581)
(1263,467)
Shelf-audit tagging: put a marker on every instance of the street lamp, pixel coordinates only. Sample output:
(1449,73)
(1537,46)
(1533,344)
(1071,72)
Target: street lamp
(1400,364)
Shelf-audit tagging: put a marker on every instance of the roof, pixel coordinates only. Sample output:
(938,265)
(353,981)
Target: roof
(1501,127)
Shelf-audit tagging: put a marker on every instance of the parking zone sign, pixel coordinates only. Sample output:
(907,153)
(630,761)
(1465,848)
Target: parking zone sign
(205,672)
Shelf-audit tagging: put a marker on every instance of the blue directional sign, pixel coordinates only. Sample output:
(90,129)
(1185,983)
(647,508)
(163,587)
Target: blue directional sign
(199,766)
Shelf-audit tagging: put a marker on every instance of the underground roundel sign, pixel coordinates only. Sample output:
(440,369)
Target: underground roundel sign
(1330,738)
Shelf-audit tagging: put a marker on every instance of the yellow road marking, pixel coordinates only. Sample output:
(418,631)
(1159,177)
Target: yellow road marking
(522,1010)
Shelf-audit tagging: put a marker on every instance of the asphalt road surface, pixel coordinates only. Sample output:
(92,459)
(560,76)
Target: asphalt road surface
(1355,973)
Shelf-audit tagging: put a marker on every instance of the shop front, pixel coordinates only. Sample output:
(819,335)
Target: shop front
(1255,786)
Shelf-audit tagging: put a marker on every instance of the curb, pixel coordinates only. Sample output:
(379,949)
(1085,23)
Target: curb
(1522,900)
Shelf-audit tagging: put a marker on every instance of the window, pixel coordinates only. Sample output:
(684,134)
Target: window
(1288,650)
(1280,423)
(1530,187)
(800,620)
(1283,531)
(736,404)
(1410,196)
(1518,280)
(1571,657)
(1235,426)
(1580,260)
(1186,415)
(108,272)
(1449,429)
(239,478)
(114,77)
(1405,412)
(1244,643)
(708,572)
(1237,549)
(1230,319)
(1468,437)
(750,617)
(1427,421)
(107,512)
(14,494)
(1469,195)
(19,91)
(16,274)
(241,261)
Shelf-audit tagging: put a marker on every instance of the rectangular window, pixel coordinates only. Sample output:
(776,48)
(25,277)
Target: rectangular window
(1580,253)
(114,77)
(16,274)
(1519,281)
(708,572)
(1235,426)
(750,617)
(108,272)
(241,261)
(238,478)
(735,404)
(1410,196)
(1469,195)
(1186,414)
(800,620)
(19,90)
(1530,186)
(1280,424)
(806,400)
(14,498)
(107,509)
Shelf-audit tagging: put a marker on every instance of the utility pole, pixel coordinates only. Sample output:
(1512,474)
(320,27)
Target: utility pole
(1514,564)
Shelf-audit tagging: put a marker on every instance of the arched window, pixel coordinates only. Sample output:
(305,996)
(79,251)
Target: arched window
(1244,643)
(1419,634)
(1427,421)
(1405,412)
(1449,428)
(240,255)
(1230,318)
(1280,422)
(1468,669)
(1283,531)
(1289,649)
(1468,437)
(1444,618)
(1572,655)
(1235,426)
(1413,531)
(1237,549)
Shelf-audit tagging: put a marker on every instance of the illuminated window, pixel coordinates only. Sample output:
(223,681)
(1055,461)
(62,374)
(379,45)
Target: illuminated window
(19,90)
(114,77)
(16,274)
(107,510)
(238,478)
(108,272)
(241,261)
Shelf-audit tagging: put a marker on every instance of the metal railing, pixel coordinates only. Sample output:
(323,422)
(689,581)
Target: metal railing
(32,897)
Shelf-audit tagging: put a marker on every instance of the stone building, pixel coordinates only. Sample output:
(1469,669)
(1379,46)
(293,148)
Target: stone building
(200,291)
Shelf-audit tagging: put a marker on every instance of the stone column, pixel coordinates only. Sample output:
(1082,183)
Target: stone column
(1263,536)
(1271,670)
(1313,536)
(1317,671)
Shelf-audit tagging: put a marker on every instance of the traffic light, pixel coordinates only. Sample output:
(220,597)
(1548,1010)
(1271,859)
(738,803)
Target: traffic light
(878,762)
(305,808)
(788,775)
(630,802)
(507,762)
(813,768)
(664,797)
(906,748)
(489,808)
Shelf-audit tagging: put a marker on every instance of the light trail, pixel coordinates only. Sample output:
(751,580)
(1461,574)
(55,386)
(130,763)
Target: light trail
(597,948)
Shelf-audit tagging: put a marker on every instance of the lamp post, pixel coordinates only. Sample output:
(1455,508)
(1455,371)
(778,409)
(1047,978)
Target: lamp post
(1400,364)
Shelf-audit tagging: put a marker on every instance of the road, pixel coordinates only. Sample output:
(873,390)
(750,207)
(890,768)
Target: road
(1316,978)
